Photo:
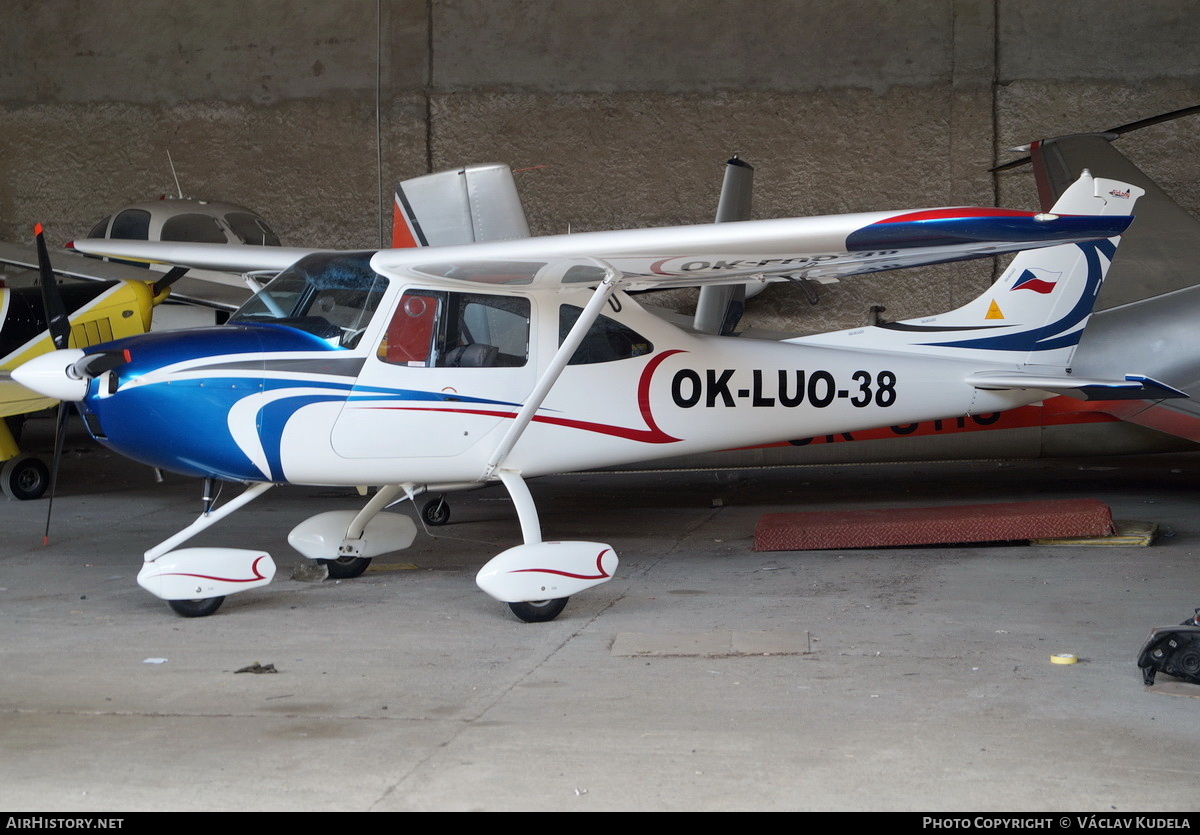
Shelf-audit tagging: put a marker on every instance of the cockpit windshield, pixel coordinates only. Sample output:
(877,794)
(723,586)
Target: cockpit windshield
(329,294)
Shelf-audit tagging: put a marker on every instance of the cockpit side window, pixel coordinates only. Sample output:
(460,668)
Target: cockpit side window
(434,328)
(409,336)
(607,340)
(131,225)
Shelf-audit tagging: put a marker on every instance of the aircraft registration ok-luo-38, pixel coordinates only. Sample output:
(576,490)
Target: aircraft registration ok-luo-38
(442,368)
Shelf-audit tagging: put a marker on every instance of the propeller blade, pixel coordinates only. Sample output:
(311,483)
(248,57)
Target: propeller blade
(167,280)
(52,302)
(93,365)
(60,431)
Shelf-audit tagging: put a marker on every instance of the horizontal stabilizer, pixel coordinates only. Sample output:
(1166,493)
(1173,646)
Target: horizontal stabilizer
(1133,387)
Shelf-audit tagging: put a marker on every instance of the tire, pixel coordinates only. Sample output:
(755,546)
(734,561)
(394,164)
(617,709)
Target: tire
(346,568)
(24,477)
(196,608)
(539,611)
(436,512)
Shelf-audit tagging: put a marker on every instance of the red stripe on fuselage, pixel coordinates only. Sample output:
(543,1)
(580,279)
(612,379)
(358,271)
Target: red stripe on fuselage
(650,435)
(943,214)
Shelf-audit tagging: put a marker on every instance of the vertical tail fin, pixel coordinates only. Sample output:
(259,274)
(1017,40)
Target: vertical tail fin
(1035,312)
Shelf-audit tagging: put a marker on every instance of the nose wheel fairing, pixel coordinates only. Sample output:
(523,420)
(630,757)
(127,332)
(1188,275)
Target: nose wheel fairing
(204,573)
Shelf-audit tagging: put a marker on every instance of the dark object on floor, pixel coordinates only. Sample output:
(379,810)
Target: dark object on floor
(1174,650)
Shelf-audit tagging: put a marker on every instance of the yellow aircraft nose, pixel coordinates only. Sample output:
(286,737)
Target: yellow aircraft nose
(54,375)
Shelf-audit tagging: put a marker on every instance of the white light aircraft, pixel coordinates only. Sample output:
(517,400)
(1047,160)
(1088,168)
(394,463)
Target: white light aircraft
(443,368)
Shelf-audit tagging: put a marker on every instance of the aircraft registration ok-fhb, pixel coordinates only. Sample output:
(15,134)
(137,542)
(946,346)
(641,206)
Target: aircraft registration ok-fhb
(442,368)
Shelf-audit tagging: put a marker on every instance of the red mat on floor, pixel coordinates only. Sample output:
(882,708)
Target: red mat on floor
(932,525)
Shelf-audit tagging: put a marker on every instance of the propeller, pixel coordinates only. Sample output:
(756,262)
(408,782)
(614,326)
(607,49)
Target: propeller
(74,380)
(47,375)
(59,325)
(164,283)
(52,302)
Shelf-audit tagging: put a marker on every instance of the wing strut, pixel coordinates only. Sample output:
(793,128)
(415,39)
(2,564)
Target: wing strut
(530,529)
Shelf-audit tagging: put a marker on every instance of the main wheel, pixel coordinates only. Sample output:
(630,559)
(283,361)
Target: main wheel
(539,611)
(346,568)
(196,608)
(24,477)
(436,512)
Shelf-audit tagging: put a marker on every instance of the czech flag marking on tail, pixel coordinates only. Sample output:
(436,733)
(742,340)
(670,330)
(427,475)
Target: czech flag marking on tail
(1031,280)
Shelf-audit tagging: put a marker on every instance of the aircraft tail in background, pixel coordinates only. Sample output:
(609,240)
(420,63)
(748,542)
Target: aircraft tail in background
(461,206)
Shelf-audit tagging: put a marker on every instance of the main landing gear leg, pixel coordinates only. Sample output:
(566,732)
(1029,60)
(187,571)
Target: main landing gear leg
(345,541)
(531,526)
(531,611)
(351,564)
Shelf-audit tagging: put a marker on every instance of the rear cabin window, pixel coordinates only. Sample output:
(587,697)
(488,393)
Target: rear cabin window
(251,229)
(607,340)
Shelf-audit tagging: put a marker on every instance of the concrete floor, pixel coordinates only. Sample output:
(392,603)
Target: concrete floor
(928,686)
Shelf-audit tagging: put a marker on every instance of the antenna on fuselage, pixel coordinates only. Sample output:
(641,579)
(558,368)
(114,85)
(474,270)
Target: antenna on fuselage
(171,162)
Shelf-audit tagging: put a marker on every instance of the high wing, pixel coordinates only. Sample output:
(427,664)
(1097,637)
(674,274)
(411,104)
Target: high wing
(197,292)
(237,258)
(819,248)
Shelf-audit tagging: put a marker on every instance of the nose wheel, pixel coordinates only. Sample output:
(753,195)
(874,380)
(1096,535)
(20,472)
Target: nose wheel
(196,608)
(539,611)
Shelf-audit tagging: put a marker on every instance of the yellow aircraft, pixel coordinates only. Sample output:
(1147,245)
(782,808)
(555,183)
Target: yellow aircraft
(109,304)
(98,311)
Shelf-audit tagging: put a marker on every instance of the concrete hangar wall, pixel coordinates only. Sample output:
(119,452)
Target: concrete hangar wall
(622,110)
